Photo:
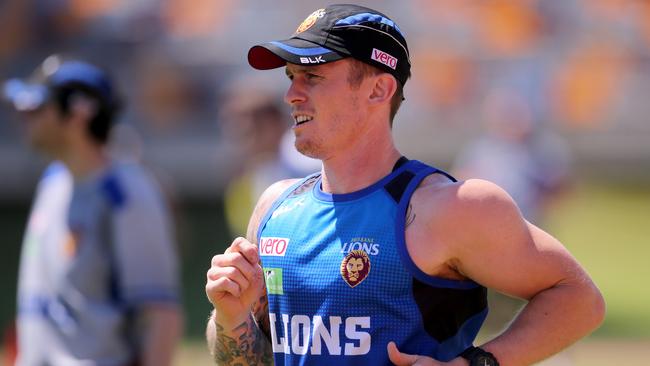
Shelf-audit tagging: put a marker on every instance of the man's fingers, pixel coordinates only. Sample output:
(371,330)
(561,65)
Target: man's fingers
(246,248)
(252,272)
(235,244)
(399,358)
(221,286)
(231,273)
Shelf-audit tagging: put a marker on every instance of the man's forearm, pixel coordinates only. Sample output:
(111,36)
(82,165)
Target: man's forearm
(551,321)
(244,344)
(161,331)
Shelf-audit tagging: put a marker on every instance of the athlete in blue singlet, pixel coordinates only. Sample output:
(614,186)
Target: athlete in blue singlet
(378,259)
(348,252)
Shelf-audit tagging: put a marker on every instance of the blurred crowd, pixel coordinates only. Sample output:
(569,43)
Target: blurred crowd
(578,66)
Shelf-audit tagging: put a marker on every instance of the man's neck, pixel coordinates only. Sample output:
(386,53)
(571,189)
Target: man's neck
(85,159)
(359,167)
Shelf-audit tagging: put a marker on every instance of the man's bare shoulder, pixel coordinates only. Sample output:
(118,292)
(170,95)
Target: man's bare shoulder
(264,203)
(477,195)
(463,211)
(273,192)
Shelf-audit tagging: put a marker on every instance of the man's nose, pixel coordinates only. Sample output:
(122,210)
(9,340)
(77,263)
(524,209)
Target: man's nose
(295,94)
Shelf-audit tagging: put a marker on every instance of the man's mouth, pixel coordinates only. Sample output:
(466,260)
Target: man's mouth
(301,118)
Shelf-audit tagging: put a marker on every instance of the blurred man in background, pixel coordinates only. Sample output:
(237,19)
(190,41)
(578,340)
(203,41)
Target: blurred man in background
(516,151)
(98,282)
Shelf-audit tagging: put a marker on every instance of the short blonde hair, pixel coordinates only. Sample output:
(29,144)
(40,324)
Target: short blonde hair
(359,70)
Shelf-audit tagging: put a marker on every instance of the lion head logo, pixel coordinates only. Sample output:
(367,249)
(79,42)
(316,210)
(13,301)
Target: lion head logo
(355,267)
(310,20)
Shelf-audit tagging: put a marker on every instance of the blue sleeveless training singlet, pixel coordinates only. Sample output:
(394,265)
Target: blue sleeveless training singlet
(341,283)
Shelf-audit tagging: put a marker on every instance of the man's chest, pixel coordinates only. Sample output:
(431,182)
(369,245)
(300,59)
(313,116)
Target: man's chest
(332,251)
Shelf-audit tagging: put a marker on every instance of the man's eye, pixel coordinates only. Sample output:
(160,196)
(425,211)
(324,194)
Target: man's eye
(312,76)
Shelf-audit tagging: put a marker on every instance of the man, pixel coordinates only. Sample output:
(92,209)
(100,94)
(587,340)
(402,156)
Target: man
(432,245)
(98,274)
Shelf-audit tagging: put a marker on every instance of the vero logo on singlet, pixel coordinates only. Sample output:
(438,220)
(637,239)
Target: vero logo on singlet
(273,246)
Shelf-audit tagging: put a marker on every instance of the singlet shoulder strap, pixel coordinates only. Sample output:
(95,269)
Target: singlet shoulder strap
(302,186)
(397,186)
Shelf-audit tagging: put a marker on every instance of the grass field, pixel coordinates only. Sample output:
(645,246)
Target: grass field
(608,230)
(589,352)
(586,353)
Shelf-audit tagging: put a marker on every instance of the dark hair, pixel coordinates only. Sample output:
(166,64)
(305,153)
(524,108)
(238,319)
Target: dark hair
(360,70)
(100,125)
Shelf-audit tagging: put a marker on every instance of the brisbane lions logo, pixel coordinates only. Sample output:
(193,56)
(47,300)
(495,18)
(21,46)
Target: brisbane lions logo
(355,267)
(311,19)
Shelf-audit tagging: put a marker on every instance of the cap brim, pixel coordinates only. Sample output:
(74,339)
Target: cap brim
(24,96)
(276,54)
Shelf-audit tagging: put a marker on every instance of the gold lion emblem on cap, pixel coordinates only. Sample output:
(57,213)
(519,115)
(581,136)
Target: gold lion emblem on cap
(355,267)
(310,20)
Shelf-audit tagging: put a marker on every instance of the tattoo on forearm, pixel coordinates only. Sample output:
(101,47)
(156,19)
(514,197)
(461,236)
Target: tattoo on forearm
(261,313)
(250,347)
(410,216)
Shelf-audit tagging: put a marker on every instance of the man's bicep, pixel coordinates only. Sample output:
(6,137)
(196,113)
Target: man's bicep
(519,259)
(498,248)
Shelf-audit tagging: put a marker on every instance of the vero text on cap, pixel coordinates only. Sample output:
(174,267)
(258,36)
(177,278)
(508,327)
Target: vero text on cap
(384,58)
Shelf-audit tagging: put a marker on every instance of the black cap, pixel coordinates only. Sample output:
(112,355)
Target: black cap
(54,72)
(336,32)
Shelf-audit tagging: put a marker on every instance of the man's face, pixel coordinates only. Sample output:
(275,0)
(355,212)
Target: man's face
(45,128)
(327,110)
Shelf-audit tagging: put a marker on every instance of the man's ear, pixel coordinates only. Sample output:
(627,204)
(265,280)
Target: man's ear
(82,107)
(383,88)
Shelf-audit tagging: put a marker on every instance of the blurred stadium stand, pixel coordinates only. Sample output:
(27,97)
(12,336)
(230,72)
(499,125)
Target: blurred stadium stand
(584,64)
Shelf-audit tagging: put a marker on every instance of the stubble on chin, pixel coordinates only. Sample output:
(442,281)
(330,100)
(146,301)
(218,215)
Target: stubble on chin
(308,148)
